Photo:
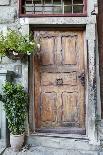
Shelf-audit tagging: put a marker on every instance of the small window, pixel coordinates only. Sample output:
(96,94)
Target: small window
(52,7)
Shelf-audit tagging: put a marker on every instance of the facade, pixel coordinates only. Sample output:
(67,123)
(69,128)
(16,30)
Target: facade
(63,82)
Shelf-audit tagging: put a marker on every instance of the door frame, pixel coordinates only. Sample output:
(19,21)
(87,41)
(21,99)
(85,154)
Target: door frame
(32,68)
(91,98)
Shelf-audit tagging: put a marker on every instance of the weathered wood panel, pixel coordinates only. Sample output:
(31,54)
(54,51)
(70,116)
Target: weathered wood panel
(69,50)
(68,78)
(59,93)
(47,48)
(70,112)
(48,107)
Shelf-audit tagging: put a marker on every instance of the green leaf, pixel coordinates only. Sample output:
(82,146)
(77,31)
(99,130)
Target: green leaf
(15,100)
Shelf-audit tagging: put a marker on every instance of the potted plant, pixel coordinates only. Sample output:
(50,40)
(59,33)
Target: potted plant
(15,101)
(15,45)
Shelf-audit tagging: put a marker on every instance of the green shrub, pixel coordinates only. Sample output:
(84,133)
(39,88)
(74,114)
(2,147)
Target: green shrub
(15,105)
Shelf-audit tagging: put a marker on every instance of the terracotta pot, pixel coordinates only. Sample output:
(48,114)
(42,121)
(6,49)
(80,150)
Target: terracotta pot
(16,142)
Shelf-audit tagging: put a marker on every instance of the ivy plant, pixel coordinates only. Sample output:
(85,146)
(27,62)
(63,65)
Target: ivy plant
(15,101)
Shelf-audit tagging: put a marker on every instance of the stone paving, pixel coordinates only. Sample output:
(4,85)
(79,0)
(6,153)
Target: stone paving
(2,145)
(40,150)
(38,145)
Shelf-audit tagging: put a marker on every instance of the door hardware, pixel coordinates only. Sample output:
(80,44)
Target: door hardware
(59,82)
(81,78)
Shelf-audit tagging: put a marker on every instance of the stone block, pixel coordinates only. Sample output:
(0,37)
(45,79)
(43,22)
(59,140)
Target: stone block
(7,14)
(5,2)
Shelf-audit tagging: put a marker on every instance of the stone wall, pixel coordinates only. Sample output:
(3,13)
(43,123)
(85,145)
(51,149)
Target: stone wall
(9,19)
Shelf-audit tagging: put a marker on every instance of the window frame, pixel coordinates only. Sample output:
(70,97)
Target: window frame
(84,14)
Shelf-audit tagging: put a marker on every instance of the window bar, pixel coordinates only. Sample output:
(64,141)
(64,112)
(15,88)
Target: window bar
(84,5)
(44,7)
(62,6)
(52,6)
(33,6)
(42,4)
(24,7)
(72,6)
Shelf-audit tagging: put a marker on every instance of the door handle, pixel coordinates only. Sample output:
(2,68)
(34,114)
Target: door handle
(81,78)
(59,82)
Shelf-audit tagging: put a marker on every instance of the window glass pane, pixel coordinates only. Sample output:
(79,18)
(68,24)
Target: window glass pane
(38,8)
(38,12)
(57,10)
(47,12)
(67,2)
(37,1)
(78,9)
(67,9)
(77,1)
(47,8)
(53,6)
(47,2)
(57,2)
(29,7)
(57,7)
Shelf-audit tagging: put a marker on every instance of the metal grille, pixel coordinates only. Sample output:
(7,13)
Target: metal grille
(53,6)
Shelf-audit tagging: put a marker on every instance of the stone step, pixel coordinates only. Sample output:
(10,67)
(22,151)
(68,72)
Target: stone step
(61,143)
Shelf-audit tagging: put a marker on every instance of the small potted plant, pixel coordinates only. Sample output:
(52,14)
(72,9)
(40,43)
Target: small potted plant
(15,45)
(15,101)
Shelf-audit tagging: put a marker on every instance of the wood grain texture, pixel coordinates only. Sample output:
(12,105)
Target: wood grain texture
(70,112)
(37,92)
(48,107)
(47,45)
(69,50)
(68,78)
(59,105)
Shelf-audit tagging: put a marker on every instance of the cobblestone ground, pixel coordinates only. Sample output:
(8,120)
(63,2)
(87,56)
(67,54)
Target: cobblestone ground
(2,146)
(39,150)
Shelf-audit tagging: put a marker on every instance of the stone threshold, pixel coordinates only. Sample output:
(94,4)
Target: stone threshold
(70,136)
(61,141)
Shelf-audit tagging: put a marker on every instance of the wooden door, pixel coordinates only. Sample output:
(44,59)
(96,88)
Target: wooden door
(59,82)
